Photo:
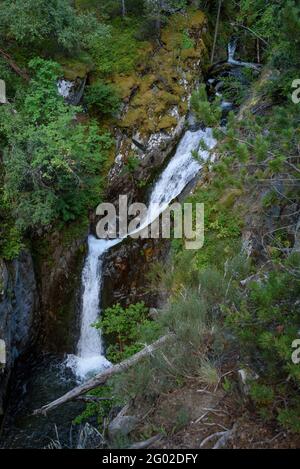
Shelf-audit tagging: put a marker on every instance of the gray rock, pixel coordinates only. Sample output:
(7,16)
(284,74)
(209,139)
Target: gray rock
(153,313)
(19,313)
(121,425)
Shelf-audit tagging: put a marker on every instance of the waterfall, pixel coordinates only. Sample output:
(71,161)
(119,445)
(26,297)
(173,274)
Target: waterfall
(181,169)
(231,50)
(71,91)
(64,87)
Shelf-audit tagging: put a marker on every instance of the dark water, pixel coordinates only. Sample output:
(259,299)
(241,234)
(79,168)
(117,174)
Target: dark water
(38,381)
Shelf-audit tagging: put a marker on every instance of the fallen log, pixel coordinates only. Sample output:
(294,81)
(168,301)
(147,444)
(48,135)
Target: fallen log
(93,399)
(101,378)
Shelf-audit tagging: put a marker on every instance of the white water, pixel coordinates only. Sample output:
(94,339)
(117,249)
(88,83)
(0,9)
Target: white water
(182,168)
(64,87)
(231,60)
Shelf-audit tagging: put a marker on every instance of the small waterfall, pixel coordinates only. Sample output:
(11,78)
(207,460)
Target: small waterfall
(181,169)
(71,91)
(231,50)
(64,88)
(90,354)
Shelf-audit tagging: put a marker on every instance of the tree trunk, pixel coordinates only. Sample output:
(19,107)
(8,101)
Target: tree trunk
(216,32)
(124,12)
(101,378)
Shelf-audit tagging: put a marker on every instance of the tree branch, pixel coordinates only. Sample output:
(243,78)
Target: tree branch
(250,31)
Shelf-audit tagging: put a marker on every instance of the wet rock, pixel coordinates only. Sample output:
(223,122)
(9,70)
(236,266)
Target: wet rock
(19,313)
(125,272)
(59,272)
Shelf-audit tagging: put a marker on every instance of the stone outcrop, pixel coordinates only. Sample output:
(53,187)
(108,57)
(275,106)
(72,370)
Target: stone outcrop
(156,98)
(19,314)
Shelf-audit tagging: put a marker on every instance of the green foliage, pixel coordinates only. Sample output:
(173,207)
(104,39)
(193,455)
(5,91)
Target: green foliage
(279,24)
(10,241)
(208,113)
(236,90)
(132,164)
(52,164)
(35,22)
(98,410)
(102,97)
(123,326)
(266,324)
(120,52)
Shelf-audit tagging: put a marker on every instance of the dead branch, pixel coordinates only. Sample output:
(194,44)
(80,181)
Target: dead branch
(146,443)
(222,442)
(216,32)
(238,25)
(210,437)
(101,378)
(93,399)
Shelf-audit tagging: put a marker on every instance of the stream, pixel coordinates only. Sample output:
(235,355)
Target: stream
(47,376)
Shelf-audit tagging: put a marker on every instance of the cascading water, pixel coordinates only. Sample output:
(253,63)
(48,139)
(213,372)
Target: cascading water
(64,87)
(231,50)
(90,353)
(182,168)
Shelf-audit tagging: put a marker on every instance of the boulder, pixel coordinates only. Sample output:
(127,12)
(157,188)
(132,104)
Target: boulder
(122,424)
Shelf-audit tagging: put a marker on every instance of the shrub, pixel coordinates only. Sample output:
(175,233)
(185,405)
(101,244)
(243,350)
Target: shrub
(103,98)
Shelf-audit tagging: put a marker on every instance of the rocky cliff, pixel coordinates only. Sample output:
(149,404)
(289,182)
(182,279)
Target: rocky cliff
(19,313)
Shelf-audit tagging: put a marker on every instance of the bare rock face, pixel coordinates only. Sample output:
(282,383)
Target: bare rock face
(126,269)
(19,314)
(59,269)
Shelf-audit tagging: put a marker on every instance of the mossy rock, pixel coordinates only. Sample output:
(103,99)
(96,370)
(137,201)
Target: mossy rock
(196,19)
(167,122)
(76,69)
(191,53)
(126,84)
(133,118)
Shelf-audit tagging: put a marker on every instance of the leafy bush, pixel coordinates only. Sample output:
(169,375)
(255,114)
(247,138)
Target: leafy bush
(32,22)
(206,112)
(102,97)
(123,326)
(52,166)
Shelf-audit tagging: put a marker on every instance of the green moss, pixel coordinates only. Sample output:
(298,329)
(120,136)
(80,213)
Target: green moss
(76,68)
(167,122)
(125,84)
